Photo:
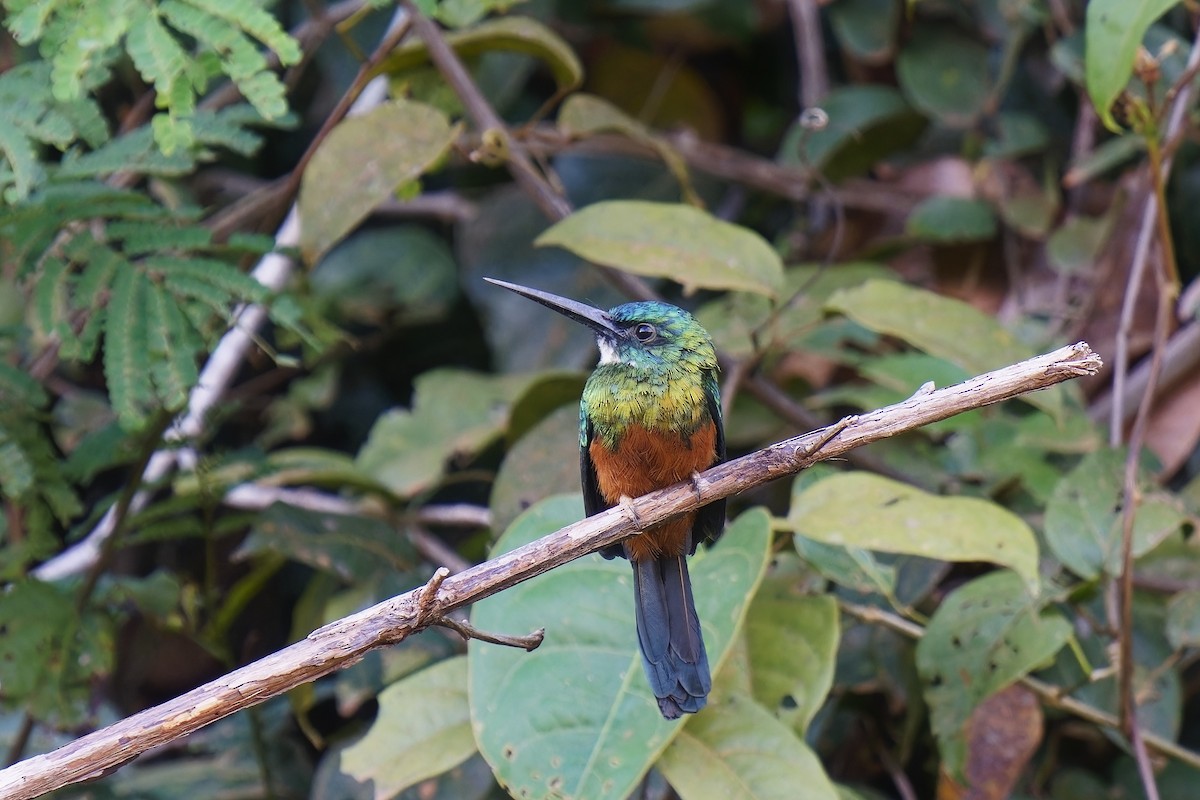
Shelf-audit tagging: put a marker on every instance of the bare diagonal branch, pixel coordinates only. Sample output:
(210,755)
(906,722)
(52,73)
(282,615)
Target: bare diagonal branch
(346,641)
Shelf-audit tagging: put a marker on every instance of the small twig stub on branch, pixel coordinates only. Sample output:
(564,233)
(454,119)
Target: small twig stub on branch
(342,643)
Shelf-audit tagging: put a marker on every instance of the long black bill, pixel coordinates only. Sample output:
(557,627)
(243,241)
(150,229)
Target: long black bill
(591,316)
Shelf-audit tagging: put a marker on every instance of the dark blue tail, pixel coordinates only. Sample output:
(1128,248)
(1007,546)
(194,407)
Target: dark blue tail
(669,635)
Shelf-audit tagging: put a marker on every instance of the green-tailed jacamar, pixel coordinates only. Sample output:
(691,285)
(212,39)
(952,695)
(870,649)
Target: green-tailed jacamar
(650,416)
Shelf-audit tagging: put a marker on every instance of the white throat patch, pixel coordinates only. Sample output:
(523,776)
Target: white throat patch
(608,353)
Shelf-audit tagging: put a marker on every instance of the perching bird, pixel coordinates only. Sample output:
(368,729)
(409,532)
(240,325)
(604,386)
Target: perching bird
(650,416)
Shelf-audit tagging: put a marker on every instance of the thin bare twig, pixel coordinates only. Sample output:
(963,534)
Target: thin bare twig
(345,641)
(1147,231)
(485,117)
(810,51)
(466,630)
(1051,695)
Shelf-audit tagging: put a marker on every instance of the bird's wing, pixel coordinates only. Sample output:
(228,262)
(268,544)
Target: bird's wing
(710,520)
(593,501)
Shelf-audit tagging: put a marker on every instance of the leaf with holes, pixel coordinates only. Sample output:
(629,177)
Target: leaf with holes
(737,748)
(792,640)
(575,717)
(984,636)
(861,510)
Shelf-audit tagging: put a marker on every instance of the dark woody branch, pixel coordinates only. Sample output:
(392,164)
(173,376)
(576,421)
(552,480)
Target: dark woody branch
(344,642)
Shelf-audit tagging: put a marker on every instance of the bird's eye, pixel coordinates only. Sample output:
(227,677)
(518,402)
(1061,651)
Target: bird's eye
(645,332)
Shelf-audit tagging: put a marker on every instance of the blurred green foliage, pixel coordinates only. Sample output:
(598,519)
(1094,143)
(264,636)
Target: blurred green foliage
(951,205)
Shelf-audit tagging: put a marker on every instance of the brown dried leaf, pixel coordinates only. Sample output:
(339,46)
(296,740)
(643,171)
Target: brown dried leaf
(1174,424)
(1002,735)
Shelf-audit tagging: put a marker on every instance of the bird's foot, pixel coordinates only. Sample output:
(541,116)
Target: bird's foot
(626,503)
(698,486)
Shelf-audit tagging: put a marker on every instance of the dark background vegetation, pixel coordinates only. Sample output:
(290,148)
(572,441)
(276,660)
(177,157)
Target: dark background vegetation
(922,191)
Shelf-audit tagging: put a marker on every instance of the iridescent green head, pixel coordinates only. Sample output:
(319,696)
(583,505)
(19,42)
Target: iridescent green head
(650,335)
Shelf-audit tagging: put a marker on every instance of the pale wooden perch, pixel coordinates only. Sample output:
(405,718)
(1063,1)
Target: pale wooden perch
(344,642)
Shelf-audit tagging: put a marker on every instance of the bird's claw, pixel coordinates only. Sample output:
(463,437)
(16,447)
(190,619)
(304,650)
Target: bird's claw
(626,503)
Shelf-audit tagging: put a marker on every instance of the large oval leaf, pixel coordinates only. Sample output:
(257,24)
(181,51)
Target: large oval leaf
(422,729)
(361,164)
(670,240)
(575,718)
(739,749)
(792,640)
(858,509)
(1113,33)
(984,636)
(941,326)
(455,413)
(945,74)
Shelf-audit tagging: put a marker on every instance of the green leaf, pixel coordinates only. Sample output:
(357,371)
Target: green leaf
(792,639)
(402,273)
(1183,619)
(423,728)
(348,547)
(866,124)
(538,465)
(252,19)
(739,749)
(1074,247)
(361,164)
(126,345)
(866,28)
(154,50)
(173,348)
(455,414)
(582,114)
(984,636)
(16,470)
(595,727)
(852,567)
(50,654)
(87,33)
(945,74)
(26,170)
(673,241)
(746,324)
(861,510)
(1114,31)
(513,33)
(951,220)
(941,326)
(1084,519)
(50,299)
(1016,134)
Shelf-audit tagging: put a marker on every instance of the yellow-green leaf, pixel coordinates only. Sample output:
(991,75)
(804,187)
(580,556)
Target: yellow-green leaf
(423,729)
(792,640)
(576,718)
(670,240)
(858,509)
(1114,32)
(739,749)
(941,326)
(584,114)
(361,164)
(516,34)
